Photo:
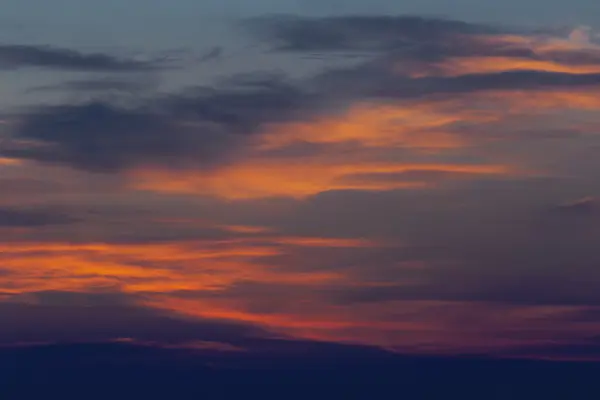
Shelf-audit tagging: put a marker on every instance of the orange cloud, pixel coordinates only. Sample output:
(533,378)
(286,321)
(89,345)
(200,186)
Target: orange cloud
(426,326)
(544,45)
(9,161)
(157,270)
(480,65)
(158,267)
(298,180)
(384,146)
(366,140)
(206,270)
(536,101)
(325,242)
(574,54)
(246,229)
(417,125)
(371,146)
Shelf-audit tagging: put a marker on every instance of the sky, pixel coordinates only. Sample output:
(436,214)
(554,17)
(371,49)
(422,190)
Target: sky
(267,176)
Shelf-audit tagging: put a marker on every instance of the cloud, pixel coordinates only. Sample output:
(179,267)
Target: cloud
(581,35)
(82,317)
(213,54)
(413,56)
(530,292)
(21,56)
(205,128)
(12,217)
(423,39)
(193,129)
(479,241)
(274,179)
(410,287)
(413,197)
(155,266)
(369,146)
(584,206)
(93,86)
(378,80)
(97,136)
(357,33)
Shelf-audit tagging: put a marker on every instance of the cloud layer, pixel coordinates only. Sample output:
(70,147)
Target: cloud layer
(431,188)
(13,56)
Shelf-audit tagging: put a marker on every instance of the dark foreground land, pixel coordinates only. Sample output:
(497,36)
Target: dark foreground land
(125,371)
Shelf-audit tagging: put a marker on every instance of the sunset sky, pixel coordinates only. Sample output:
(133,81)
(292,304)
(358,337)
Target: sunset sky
(420,178)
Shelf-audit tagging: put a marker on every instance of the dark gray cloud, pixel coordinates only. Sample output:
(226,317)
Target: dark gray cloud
(97,298)
(585,206)
(75,317)
(93,86)
(20,56)
(528,292)
(508,80)
(357,33)
(500,241)
(98,136)
(197,128)
(13,217)
(204,127)
(397,47)
(407,38)
(376,80)
(213,54)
